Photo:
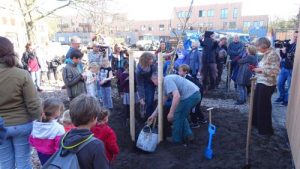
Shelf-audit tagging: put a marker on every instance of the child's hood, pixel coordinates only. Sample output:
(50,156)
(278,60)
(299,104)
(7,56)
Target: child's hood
(76,136)
(47,130)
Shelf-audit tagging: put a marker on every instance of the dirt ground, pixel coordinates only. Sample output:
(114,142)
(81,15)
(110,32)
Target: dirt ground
(228,143)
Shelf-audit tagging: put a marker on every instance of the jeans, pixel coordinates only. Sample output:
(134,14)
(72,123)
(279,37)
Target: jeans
(15,150)
(220,67)
(149,99)
(106,97)
(44,157)
(285,75)
(181,127)
(36,78)
(242,91)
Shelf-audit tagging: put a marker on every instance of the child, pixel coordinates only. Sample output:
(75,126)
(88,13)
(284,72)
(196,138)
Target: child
(66,121)
(83,112)
(103,132)
(244,73)
(90,82)
(47,131)
(105,76)
(196,115)
(124,84)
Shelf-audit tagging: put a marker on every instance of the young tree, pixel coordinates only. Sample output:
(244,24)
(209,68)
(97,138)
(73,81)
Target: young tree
(33,11)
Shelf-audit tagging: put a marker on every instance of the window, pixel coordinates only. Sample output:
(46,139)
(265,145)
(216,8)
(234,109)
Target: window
(224,25)
(202,13)
(235,13)
(247,24)
(232,25)
(210,13)
(256,24)
(261,23)
(224,13)
(161,27)
(150,28)
(143,27)
(182,14)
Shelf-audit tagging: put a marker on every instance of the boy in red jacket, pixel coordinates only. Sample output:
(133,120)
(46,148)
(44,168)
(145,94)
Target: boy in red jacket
(106,134)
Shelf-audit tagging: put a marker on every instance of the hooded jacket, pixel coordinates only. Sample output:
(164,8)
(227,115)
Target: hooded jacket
(45,136)
(92,156)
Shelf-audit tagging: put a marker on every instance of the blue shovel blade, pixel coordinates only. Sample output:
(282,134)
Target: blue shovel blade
(208,151)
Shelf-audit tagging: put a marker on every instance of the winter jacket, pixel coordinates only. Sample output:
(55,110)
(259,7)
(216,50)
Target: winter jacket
(142,77)
(195,61)
(19,101)
(45,136)
(219,59)
(270,64)
(244,72)
(182,58)
(209,50)
(235,49)
(288,57)
(107,135)
(27,55)
(92,156)
(118,61)
(73,81)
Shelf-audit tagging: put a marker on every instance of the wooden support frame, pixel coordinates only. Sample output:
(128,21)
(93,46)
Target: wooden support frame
(293,115)
(228,75)
(160,97)
(132,95)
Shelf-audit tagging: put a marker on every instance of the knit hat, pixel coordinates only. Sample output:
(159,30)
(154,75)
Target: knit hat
(207,34)
(2,131)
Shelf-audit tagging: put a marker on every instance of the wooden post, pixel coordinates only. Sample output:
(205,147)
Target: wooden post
(160,97)
(132,98)
(209,115)
(228,75)
(253,81)
(293,115)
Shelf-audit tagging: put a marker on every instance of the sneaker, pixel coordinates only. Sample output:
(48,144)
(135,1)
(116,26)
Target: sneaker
(194,125)
(278,100)
(203,121)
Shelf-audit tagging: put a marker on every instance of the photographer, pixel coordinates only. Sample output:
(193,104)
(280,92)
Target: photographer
(287,54)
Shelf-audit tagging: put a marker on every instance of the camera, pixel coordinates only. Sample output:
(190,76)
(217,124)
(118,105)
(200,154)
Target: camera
(281,43)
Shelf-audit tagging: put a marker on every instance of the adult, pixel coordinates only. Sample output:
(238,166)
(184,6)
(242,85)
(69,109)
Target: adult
(266,73)
(73,79)
(185,96)
(287,54)
(209,69)
(181,56)
(42,58)
(221,58)
(95,55)
(235,52)
(146,88)
(75,45)
(119,59)
(162,50)
(19,106)
(31,63)
(194,60)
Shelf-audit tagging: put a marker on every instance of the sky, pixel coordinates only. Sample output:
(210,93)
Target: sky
(162,9)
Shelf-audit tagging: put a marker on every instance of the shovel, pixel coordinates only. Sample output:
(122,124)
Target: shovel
(211,131)
(248,165)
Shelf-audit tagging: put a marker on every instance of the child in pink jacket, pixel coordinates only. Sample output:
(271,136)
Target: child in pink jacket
(46,132)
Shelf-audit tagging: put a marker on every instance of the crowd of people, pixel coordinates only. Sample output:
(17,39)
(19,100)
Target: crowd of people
(25,121)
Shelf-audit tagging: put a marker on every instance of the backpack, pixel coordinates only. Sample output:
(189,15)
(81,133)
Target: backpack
(70,160)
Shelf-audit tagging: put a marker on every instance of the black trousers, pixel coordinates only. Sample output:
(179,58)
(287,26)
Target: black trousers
(209,72)
(50,70)
(262,109)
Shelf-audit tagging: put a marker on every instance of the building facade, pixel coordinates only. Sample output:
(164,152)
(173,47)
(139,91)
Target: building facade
(217,17)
